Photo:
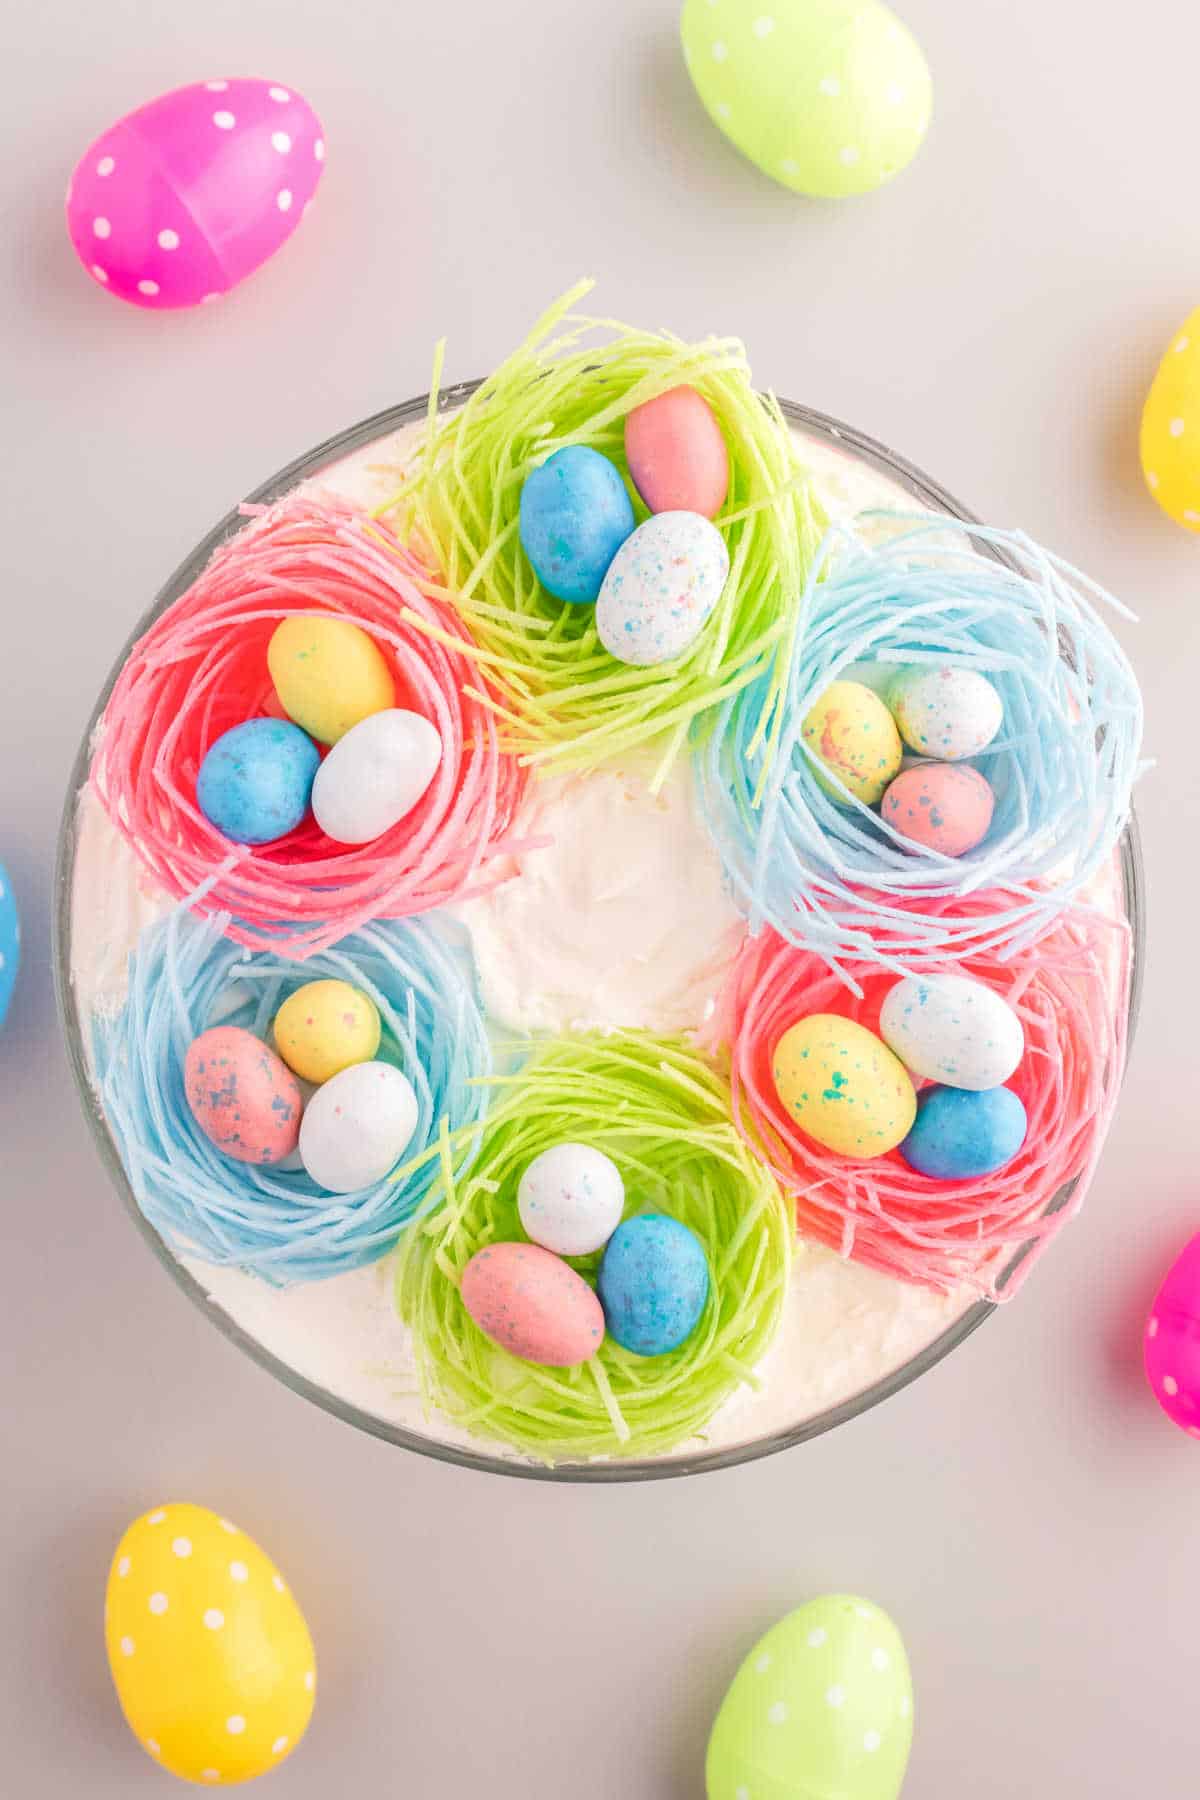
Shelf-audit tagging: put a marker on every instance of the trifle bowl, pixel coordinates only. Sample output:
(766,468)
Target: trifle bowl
(569,953)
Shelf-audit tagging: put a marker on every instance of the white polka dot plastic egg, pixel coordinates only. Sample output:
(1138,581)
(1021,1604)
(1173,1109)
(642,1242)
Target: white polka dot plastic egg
(210,1654)
(182,199)
(661,588)
(952,1030)
(821,1706)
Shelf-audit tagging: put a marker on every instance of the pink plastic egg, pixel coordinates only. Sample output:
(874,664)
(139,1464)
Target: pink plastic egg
(242,1095)
(182,199)
(676,453)
(533,1304)
(944,806)
(1172,1344)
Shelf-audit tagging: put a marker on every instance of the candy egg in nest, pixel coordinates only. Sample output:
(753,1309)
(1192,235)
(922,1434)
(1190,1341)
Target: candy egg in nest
(947,807)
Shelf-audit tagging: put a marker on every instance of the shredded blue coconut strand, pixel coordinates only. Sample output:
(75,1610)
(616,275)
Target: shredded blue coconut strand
(825,875)
(276,1223)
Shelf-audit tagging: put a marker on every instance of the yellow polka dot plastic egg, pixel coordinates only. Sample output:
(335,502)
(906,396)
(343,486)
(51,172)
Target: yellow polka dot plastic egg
(827,97)
(852,734)
(325,1027)
(821,1709)
(211,1657)
(1170,443)
(842,1086)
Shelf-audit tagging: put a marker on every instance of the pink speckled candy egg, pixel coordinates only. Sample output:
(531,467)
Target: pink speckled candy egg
(1172,1343)
(242,1095)
(533,1304)
(676,454)
(944,806)
(182,199)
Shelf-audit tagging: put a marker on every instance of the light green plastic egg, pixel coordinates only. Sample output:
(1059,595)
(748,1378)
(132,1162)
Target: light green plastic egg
(821,1709)
(829,97)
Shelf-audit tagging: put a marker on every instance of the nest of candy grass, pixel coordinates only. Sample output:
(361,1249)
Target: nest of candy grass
(565,702)
(663,1115)
(1071,994)
(834,877)
(202,668)
(186,976)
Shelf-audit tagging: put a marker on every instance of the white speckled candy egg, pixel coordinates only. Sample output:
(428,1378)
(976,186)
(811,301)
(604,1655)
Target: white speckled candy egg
(946,713)
(952,1030)
(357,1125)
(375,775)
(661,588)
(570,1199)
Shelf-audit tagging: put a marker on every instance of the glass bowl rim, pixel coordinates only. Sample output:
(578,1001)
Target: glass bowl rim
(334,449)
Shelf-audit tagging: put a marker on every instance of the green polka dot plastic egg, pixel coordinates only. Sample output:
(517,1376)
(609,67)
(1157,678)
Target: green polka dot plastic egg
(829,97)
(821,1709)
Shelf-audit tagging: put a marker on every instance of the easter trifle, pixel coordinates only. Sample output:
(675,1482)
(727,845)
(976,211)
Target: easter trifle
(595,931)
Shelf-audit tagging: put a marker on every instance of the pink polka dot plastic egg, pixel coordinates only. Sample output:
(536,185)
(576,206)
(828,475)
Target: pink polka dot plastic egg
(533,1305)
(182,199)
(1172,1343)
(243,1097)
(945,807)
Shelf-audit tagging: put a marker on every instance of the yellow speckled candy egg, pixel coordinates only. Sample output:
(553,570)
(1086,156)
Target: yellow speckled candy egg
(210,1654)
(325,1027)
(843,1086)
(1171,428)
(328,674)
(854,736)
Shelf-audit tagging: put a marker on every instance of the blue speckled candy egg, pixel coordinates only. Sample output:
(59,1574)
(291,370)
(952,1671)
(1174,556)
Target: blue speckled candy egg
(653,1284)
(951,1029)
(960,1134)
(575,514)
(10,941)
(661,588)
(256,781)
(946,713)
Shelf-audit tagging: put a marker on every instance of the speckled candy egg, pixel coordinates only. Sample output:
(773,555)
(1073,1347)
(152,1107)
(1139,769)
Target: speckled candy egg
(661,588)
(256,781)
(853,735)
(829,97)
(946,807)
(1170,438)
(357,1126)
(842,1086)
(821,1709)
(960,1135)
(375,775)
(676,454)
(325,1027)
(533,1305)
(241,1095)
(946,713)
(10,942)
(209,1652)
(653,1284)
(1172,1342)
(328,675)
(182,199)
(575,513)
(570,1199)
(952,1030)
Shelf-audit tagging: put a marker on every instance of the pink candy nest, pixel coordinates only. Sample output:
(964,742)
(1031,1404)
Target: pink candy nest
(202,668)
(1071,995)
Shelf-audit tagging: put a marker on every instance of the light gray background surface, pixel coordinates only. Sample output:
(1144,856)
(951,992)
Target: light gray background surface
(1024,1511)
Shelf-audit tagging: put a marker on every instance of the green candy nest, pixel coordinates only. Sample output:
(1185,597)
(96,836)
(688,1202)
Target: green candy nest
(664,1116)
(563,700)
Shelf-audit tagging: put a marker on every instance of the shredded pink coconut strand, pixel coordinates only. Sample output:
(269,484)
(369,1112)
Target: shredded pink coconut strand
(1071,994)
(202,668)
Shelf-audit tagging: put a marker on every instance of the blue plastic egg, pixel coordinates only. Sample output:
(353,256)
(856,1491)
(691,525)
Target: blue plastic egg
(575,515)
(960,1133)
(10,941)
(256,781)
(653,1283)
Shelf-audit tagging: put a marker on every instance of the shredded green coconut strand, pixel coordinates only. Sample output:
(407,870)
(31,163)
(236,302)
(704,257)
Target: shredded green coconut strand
(564,701)
(663,1115)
